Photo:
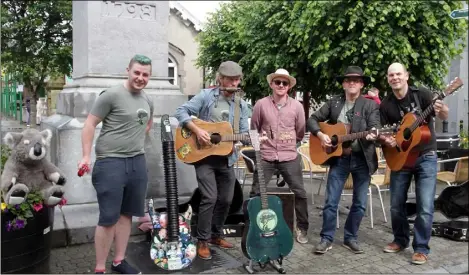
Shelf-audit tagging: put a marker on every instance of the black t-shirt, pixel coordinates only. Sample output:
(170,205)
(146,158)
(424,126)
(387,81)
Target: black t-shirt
(392,110)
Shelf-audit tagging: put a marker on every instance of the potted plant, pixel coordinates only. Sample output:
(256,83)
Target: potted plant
(25,231)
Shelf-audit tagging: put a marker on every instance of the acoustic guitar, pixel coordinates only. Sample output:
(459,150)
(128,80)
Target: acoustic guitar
(189,150)
(339,133)
(172,247)
(266,236)
(413,131)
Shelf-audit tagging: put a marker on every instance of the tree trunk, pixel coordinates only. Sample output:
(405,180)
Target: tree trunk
(32,114)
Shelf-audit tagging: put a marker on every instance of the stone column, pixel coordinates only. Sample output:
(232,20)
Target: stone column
(106,35)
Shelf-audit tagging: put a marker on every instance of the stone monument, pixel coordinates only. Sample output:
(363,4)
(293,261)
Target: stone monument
(106,35)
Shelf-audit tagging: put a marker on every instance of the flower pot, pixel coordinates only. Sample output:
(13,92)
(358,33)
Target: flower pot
(27,250)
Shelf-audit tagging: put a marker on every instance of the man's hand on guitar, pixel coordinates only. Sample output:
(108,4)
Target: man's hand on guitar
(371,136)
(203,137)
(438,106)
(389,141)
(325,139)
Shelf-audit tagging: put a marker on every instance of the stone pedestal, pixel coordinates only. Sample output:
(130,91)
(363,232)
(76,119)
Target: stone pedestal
(106,35)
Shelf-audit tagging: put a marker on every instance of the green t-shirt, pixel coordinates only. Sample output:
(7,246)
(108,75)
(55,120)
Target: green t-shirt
(124,118)
(221,109)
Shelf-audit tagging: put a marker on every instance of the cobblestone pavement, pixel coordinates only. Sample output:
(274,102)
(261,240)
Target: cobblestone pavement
(446,256)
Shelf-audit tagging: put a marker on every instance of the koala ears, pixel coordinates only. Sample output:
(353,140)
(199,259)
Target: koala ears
(11,139)
(46,135)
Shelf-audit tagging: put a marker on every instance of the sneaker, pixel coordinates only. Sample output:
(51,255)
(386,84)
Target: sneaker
(203,251)
(419,258)
(323,247)
(353,246)
(302,236)
(393,248)
(124,268)
(221,242)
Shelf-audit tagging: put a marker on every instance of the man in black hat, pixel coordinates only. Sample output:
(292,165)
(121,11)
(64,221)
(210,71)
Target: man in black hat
(215,174)
(361,160)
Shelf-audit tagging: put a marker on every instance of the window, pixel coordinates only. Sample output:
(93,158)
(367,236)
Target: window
(172,71)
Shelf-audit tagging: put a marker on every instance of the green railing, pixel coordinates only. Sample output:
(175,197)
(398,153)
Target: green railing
(12,100)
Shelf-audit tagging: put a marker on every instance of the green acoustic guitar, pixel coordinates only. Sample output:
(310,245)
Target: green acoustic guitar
(266,237)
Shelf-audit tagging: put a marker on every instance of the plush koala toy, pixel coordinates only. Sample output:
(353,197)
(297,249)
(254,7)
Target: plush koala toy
(27,169)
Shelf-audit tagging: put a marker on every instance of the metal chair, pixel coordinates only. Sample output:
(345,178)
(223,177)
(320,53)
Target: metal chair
(458,176)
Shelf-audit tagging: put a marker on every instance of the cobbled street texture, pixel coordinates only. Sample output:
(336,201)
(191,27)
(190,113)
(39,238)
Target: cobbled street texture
(446,256)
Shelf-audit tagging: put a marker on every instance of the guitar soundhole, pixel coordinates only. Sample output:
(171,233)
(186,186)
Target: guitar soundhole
(334,140)
(407,134)
(215,138)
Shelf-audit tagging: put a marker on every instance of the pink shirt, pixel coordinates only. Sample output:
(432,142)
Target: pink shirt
(284,127)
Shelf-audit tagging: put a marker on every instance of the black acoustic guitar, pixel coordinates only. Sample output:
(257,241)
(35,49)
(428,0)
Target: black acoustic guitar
(453,203)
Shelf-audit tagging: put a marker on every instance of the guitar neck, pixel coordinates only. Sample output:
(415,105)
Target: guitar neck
(353,136)
(262,183)
(421,118)
(234,137)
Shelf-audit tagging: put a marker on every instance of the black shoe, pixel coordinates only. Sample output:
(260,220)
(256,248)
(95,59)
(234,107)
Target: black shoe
(353,246)
(124,268)
(323,247)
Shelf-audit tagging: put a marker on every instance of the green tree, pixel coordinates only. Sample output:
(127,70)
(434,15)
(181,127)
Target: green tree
(36,42)
(316,40)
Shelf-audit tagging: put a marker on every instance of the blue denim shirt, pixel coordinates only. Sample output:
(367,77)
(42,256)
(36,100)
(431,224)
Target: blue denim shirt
(201,106)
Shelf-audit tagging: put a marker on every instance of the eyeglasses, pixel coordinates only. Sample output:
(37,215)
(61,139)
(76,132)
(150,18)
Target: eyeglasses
(284,83)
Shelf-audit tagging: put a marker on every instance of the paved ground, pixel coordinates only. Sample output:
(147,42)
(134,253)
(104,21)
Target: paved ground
(446,257)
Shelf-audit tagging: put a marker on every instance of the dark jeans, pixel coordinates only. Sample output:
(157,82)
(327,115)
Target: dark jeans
(425,186)
(293,176)
(339,171)
(216,185)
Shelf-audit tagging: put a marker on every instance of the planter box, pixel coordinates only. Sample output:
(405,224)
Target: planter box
(27,250)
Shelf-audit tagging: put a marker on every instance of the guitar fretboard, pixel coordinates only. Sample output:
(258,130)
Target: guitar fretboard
(262,183)
(353,136)
(234,137)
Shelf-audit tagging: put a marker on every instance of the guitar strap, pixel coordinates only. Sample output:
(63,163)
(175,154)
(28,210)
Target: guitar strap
(413,102)
(236,114)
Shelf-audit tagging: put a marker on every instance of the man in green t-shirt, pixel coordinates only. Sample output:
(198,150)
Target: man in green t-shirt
(120,172)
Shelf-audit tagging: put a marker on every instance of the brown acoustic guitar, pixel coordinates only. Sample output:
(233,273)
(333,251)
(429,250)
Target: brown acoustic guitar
(412,131)
(339,133)
(189,150)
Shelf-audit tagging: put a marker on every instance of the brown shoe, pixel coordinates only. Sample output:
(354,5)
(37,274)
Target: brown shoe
(419,258)
(393,248)
(221,242)
(203,251)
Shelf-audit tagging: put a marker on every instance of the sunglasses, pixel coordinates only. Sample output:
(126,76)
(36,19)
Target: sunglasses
(284,83)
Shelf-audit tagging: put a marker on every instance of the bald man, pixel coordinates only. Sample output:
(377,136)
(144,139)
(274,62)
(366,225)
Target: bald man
(405,99)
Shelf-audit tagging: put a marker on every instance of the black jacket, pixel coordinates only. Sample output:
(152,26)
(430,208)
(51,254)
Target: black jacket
(366,116)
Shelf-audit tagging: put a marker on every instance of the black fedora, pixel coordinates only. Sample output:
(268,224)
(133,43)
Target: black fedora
(354,71)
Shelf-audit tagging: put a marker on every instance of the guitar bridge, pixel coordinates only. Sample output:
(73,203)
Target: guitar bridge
(269,234)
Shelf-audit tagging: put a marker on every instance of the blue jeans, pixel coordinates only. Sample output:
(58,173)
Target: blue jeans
(338,174)
(425,186)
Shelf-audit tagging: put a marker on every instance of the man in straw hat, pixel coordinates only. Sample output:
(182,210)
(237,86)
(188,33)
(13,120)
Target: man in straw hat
(361,161)
(215,174)
(283,119)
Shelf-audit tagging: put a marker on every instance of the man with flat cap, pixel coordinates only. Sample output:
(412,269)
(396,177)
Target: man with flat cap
(215,174)
(360,160)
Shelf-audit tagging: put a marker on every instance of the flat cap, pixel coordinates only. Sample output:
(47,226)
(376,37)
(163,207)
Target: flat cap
(230,68)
